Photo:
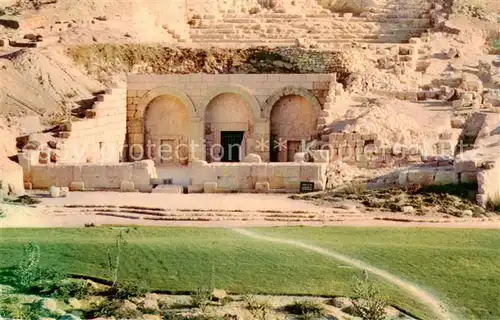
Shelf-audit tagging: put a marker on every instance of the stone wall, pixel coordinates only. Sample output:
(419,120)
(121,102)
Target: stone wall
(123,176)
(256,177)
(197,92)
(97,138)
(489,185)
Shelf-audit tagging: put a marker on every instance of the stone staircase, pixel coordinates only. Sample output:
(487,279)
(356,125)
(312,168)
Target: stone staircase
(390,23)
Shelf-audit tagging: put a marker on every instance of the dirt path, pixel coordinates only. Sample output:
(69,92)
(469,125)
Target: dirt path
(438,307)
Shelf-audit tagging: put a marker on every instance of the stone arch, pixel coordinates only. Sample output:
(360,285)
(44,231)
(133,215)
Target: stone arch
(243,92)
(165,91)
(293,114)
(290,91)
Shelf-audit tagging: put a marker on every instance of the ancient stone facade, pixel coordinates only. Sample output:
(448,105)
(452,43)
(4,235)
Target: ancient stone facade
(196,116)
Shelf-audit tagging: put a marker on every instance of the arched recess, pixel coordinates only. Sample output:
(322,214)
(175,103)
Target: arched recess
(161,91)
(167,130)
(243,92)
(290,91)
(228,121)
(293,115)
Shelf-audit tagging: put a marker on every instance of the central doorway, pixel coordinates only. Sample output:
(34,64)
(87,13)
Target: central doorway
(231,145)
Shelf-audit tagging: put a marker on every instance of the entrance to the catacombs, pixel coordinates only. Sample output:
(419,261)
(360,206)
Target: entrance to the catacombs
(293,122)
(231,142)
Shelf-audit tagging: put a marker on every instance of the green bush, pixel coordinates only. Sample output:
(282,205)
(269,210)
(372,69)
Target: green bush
(129,290)
(28,270)
(71,289)
(27,311)
(307,309)
(368,304)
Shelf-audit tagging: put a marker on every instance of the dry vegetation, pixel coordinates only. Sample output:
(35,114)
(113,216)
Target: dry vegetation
(451,200)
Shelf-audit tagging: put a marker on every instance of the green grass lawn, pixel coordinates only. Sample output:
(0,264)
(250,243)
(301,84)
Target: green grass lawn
(461,267)
(184,259)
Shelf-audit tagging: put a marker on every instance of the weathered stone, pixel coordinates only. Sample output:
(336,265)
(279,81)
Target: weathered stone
(262,187)
(150,304)
(252,158)
(55,192)
(75,303)
(408,209)
(219,294)
(341,302)
(453,53)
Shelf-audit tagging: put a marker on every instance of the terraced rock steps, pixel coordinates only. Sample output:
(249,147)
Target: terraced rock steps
(277,29)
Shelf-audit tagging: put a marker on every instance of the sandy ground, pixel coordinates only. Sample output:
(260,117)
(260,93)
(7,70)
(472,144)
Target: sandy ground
(209,210)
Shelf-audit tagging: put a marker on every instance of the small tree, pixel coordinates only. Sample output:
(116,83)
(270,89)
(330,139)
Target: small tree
(114,267)
(28,270)
(368,304)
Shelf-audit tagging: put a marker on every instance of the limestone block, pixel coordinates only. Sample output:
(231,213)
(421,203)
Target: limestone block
(319,185)
(260,172)
(445,177)
(286,170)
(55,192)
(276,182)
(230,182)
(310,172)
(127,186)
(195,189)
(292,183)
(421,177)
(77,186)
(300,157)
(199,175)
(321,156)
(262,187)
(64,192)
(166,188)
(252,158)
(210,187)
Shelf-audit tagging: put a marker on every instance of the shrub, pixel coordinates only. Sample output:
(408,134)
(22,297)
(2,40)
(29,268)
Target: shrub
(307,309)
(28,269)
(104,308)
(355,188)
(71,289)
(130,290)
(201,298)
(27,311)
(260,309)
(368,305)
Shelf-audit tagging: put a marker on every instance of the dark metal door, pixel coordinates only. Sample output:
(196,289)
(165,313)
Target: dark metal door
(231,145)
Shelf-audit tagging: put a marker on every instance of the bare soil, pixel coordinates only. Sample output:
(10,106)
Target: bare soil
(81,209)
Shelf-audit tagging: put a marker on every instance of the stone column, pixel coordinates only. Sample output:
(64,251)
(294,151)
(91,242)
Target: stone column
(196,139)
(260,143)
